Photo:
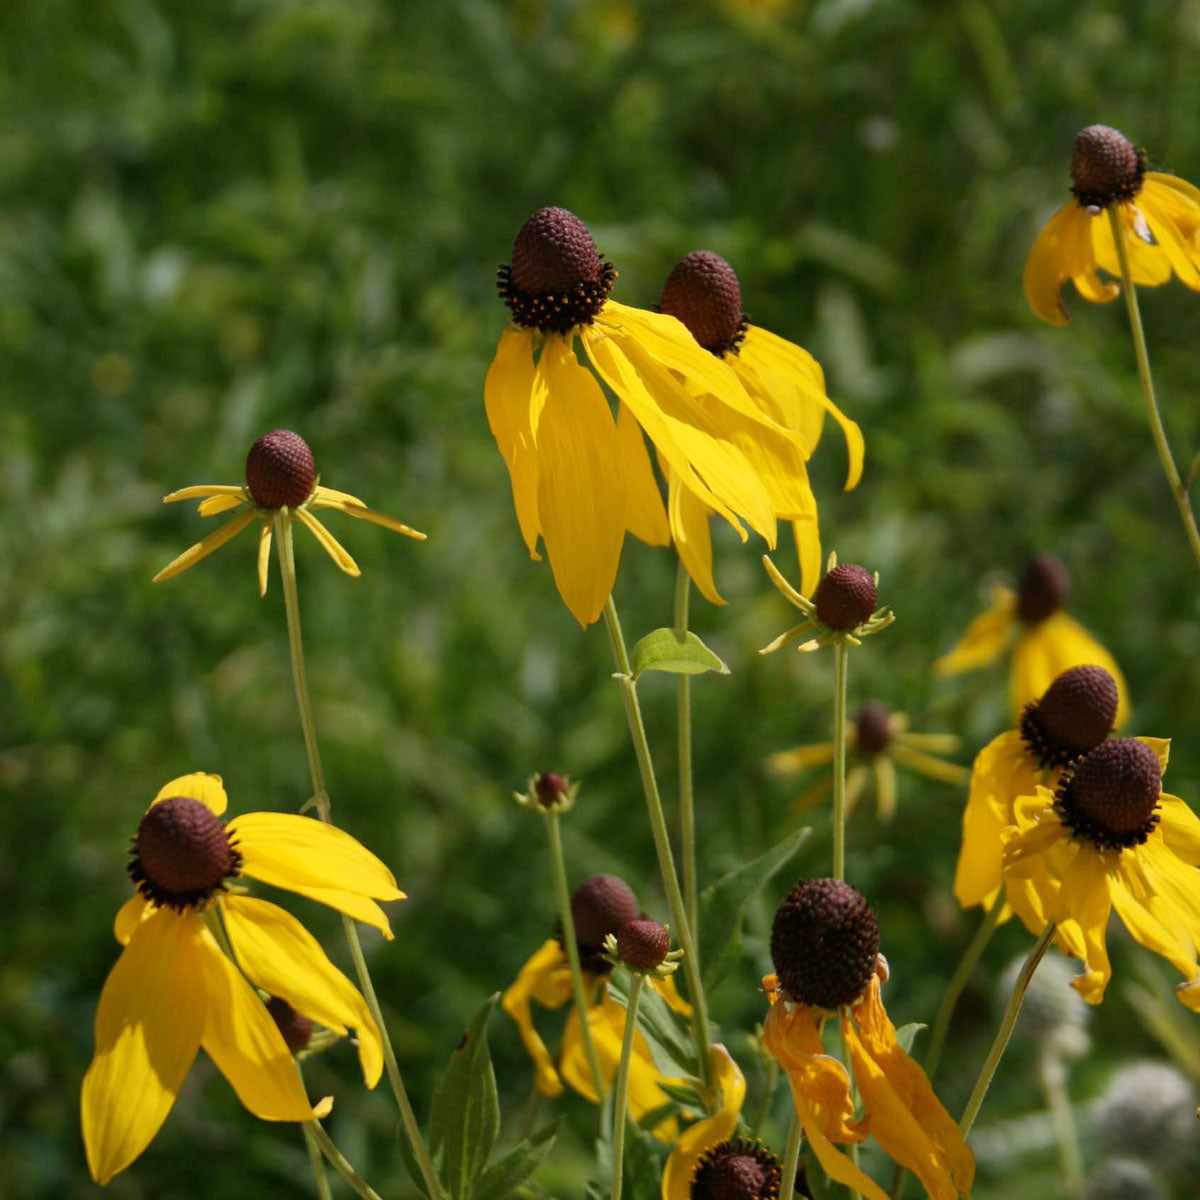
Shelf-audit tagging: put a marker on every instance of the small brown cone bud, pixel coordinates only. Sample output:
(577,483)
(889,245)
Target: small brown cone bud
(1116,788)
(643,943)
(1075,714)
(871,729)
(845,597)
(181,852)
(703,292)
(824,943)
(1043,589)
(1105,166)
(295,1027)
(550,788)
(279,470)
(600,905)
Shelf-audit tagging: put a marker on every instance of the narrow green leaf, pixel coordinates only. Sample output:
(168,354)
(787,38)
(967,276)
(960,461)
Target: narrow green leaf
(465,1115)
(670,1042)
(907,1033)
(505,1176)
(723,905)
(667,650)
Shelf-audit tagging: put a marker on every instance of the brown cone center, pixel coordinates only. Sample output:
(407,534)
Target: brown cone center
(600,905)
(845,597)
(1075,714)
(872,734)
(703,292)
(1105,166)
(279,470)
(1042,590)
(181,853)
(1111,798)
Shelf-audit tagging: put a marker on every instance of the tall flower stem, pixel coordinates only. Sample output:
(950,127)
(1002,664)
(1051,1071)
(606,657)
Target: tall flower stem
(337,1160)
(291,601)
(621,1087)
(840,654)
(1182,502)
(791,1157)
(964,971)
(967,1120)
(314,1157)
(687,804)
(1052,1073)
(571,944)
(662,842)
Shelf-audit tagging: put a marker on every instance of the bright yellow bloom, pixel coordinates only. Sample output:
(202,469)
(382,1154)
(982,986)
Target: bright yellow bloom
(729,1084)
(1159,217)
(878,741)
(1047,640)
(900,1108)
(580,478)
(786,385)
(173,990)
(280,478)
(1111,840)
(546,978)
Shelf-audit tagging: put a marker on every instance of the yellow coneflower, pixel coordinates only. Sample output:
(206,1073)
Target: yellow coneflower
(173,990)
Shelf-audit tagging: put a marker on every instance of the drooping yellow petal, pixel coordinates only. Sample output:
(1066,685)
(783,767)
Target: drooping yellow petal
(730,1083)
(1085,899)
(666,988)
(1148,265)
(693,543)
(148,1028)
(264,555)
(282,958)
(645,516)
(903,1112)
(1180,829)
(885,787)
(581,483)
(1080,247)
(1047,267)
(985,637)
(546,979)
(788,762)
(360,512)
(285,849)
(203,548)
(1159,208)
(1057,644)
(203,491)
(244,1042)
(208,789)
(130,915)
(1157,925)
(327,542)
(808,552)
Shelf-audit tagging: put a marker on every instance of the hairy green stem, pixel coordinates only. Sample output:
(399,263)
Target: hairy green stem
(791,1157)
(662,842)
(840,655)
(621,1087)
(687,803)
(1178,491)
(571,944)
(314,1157)
(967,1120)
(337,1160)
(291,600)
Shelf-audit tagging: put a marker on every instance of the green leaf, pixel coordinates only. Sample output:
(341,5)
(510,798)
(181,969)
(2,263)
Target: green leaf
(465,1116)
(505,1176)
(669,1039)
(667,650)
(723,905)
(906,1033)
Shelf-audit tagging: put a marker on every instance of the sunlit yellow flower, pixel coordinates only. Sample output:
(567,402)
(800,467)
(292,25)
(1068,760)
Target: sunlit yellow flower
(581,479)
(1048,641)
(1159,216)
(1110,839)
(877,740)
(825,947)
(173,990)
(786,385)
(280,477)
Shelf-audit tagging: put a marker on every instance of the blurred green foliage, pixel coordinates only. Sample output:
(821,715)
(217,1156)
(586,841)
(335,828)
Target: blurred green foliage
(221,218)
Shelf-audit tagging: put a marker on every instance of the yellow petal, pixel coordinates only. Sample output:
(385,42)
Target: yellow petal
(729,1081)
(130,915)
(1046,268)
(208,789)
(328,542)
(1148,264)
(885,787)
(788,762)
(264,555)
(291,849)
(205,490)
(666,988)
(1156,925)
(1159,209)
(282,958)
(546,979)
(645,516)
(985,637)
(245,1044)
(357,907)
(360,512)
(215,505)
(203,548)
(808,552)
(1084,249)
(1085,899)
(693,543)
(581,483)
(1180,829)
(928,765)
(513,396)
(148,1028)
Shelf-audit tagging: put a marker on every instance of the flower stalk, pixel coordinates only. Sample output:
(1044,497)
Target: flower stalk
(621,1087)
(791,1157)
(314,1158)
(687,803)
(337,1160)
(1178,491)
(840,654)
(291,597)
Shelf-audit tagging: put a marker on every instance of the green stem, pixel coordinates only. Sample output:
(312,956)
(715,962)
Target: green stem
(337,1160)
(840,654)
(967,1120)
(291,600)
(621,1087)
(791,1158)
(1182,502)
(314,1157)
(563,899)
(662,842)
(970,959)
(1052,1073)
(687,803)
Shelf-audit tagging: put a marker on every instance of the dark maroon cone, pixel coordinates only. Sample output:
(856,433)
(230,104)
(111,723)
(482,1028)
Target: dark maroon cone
(181,853)
(643,943)
(279,470)
(296,1027)
(600,905)
(1075,714)
(738,1170)
(703,292)
(1112,795)
(1105,166)
(1043,589)
(871,729)
(845,597)
(550,788)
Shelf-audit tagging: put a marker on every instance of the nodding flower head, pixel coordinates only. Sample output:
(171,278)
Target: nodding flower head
(1105,166)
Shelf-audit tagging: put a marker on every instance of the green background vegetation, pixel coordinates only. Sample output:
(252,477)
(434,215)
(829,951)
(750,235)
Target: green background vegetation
(222,218)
